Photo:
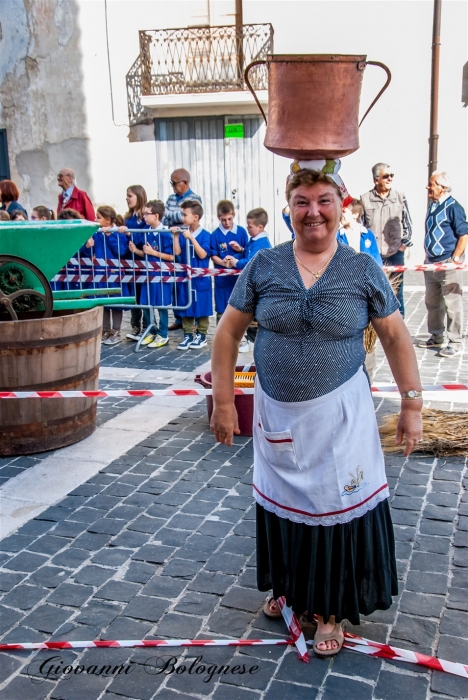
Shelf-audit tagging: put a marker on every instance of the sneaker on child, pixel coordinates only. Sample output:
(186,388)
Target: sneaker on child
(184,345)
(148,339)
(198,342)
(105,335)
(135,334)
(158,342)
(113,338)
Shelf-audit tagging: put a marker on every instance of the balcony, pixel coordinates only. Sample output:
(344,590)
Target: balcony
(197,66)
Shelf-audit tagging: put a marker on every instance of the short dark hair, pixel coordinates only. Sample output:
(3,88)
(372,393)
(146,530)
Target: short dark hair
(9,191)
(156,206)
(196,207)
(259,216)
(309,178)
(67,214)
(225,206)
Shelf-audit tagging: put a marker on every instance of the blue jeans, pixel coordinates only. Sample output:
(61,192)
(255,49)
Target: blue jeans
(397,258)
(163,321)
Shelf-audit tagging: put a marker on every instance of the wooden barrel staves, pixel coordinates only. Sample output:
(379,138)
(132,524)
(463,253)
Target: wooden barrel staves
(61,353)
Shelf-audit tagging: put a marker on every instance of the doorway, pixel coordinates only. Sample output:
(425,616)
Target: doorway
(239,169)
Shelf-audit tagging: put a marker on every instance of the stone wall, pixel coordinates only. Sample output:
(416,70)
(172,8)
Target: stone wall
(41,96)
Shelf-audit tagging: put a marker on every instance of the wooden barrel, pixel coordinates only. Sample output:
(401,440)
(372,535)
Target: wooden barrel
(61,352)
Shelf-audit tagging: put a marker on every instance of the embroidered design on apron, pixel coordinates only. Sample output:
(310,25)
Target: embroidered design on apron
(319,462)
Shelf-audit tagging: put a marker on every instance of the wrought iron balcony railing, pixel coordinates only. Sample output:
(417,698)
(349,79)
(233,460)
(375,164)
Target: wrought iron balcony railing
(197,60)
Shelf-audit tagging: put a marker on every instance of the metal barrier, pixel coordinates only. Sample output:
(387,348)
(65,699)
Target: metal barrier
(108,265)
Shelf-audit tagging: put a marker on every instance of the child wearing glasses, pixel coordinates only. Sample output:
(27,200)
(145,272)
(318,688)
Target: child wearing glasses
(157,246)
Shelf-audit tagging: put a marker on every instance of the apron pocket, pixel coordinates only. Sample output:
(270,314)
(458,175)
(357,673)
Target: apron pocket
(277,448)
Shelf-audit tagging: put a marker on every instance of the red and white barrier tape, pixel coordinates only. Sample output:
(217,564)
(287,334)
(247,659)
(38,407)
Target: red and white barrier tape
(292,623)
(144,393)
(385,651)
(132,643)
(90,266)
(427,267)
(353,642)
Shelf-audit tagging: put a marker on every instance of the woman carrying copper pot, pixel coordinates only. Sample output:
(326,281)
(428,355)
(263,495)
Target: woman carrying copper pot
(325,538)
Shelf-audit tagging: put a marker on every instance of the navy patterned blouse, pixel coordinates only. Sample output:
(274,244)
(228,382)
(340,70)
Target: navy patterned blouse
(310,341)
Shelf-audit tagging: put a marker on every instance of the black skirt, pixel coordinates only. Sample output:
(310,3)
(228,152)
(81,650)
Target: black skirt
(340,570)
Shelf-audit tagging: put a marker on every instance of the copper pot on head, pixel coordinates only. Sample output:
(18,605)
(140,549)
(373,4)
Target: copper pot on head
(313,104)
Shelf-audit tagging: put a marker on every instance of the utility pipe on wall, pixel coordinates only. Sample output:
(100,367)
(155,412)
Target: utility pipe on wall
(434,120)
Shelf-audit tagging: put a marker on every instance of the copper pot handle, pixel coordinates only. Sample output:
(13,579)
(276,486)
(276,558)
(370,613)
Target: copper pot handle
(361,66)
(247,81)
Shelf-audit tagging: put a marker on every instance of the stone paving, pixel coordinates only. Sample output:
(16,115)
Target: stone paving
(161,543)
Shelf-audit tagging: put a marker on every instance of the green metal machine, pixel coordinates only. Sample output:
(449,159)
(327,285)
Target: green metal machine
(31,254)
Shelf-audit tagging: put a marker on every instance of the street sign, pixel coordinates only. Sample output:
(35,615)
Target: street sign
(233,131)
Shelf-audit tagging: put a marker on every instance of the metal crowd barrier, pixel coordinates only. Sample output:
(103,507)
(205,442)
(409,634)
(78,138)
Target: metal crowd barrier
(112,270)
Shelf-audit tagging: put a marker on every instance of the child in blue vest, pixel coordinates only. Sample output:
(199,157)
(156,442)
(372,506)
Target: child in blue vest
(202,305)
(157,246)
(109,243)
(134,219)
(227,240)
(257,219)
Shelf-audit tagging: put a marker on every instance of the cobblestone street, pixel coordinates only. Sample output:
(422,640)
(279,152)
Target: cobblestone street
(157,540)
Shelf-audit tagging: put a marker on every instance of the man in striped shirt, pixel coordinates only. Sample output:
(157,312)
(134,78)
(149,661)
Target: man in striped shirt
(386,214)
(180,183)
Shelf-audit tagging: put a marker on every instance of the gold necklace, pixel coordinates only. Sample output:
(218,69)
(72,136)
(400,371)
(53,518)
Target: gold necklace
(318,273)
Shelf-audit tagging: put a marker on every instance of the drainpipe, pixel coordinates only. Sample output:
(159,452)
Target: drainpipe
(434,122)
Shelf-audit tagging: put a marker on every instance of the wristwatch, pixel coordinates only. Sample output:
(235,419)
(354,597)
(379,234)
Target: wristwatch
(411,394)
(456,258)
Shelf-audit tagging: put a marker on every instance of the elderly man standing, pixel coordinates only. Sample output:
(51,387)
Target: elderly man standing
(180,182)
(386,214)
(72,197)
(445,242)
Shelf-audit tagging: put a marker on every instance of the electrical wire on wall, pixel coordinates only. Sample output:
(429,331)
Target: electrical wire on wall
(109,67)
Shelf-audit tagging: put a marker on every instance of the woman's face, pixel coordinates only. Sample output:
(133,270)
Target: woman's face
(131,199)
(315,212)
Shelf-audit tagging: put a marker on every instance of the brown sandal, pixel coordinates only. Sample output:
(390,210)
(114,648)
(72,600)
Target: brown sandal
(272,609)
(337,635)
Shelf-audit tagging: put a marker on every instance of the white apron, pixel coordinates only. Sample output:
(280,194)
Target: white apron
(319,462)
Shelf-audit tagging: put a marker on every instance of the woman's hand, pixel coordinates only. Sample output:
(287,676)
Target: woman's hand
(409,426)
(224,423)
